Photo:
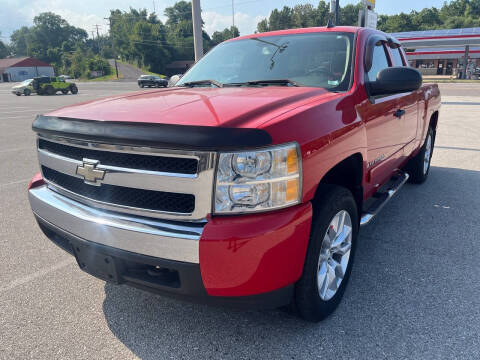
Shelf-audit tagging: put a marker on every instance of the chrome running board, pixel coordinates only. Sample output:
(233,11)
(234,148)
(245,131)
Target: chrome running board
(383,197)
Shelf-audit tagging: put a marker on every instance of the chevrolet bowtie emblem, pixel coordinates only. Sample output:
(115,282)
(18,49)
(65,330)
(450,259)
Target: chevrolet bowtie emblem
(91,175)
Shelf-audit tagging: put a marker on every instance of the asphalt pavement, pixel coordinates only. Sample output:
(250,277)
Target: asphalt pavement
(129,73)
(414,291)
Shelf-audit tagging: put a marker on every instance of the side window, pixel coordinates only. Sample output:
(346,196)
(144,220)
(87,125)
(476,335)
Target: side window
(397,57)
(379,62)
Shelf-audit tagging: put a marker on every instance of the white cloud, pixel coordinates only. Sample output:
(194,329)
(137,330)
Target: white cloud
(85,21)
(86,13)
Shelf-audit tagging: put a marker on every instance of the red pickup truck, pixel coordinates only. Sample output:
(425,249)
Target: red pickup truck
(248,181)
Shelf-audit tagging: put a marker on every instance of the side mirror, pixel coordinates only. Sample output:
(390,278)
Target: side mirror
(396,80)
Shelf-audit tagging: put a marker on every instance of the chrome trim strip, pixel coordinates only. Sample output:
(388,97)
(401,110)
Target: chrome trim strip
(139,235)
(144,150)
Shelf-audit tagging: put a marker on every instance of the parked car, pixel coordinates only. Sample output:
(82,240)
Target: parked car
(45,85)
(476,74)
(248,182)
(151,81)
(25,88)
(65,77)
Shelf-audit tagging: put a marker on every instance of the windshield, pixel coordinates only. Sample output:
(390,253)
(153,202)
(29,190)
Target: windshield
(316,59)
(27,82)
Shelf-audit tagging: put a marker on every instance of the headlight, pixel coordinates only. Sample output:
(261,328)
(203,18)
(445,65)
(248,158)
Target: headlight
(260,180)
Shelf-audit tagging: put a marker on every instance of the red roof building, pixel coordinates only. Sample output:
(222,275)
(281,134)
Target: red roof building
(22,68)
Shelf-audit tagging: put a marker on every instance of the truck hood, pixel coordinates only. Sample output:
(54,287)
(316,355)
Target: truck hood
(218,107)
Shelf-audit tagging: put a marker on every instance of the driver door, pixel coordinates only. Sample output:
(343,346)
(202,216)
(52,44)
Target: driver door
(384,128)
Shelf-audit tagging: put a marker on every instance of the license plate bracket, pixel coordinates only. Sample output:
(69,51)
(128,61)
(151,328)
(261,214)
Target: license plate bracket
(96,263)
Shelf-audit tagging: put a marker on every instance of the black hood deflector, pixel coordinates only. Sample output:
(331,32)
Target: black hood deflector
(152,134)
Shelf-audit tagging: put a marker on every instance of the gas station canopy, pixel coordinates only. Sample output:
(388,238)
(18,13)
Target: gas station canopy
(439,38)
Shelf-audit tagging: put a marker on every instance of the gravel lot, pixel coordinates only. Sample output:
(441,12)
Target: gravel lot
(414,291)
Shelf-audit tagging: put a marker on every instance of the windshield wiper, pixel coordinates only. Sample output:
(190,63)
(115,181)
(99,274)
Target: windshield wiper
(203,82)
(266,82)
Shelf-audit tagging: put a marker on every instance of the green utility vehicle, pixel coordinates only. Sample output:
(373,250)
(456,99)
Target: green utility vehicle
(45,85)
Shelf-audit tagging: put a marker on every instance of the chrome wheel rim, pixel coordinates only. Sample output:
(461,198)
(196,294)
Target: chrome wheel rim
(428,154)
(334,255)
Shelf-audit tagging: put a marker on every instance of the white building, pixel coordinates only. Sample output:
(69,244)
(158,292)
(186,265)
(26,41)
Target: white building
(19,69)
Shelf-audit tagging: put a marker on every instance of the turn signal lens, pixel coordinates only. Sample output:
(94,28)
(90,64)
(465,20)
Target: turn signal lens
(292,161)
(292,191)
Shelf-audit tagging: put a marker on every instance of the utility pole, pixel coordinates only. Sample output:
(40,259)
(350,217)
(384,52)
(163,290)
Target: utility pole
(98,37)
(335,9)
(154,6)
(337,12)
(233,14)
(97,26)
(197,29)
(113,44)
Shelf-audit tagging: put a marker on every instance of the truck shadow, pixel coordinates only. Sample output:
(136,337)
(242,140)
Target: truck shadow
(409,285)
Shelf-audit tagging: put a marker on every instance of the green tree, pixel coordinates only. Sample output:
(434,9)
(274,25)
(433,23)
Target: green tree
(397,23)
(221,36)
(4,49)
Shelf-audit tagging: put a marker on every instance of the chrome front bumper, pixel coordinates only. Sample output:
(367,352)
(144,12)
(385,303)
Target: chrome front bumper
(146,236)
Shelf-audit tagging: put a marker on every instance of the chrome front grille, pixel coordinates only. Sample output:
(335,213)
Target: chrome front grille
(142,181)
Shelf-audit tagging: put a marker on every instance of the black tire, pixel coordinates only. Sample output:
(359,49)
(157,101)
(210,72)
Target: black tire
(27,92)
(64,91)
(141,85)
(416,165)
(49,90)
(18,94)
(73,89)
(307,302)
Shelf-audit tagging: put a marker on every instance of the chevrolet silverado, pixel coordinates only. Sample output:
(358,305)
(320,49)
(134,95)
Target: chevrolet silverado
(248,181)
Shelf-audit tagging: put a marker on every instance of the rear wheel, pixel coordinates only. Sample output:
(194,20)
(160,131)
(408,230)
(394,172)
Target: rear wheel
(142,86)
(419,166)
(27,92)
(18,94)
(329,259)
(74,89)
(64,91)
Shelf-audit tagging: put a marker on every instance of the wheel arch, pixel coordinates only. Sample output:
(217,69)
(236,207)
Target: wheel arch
(348,173)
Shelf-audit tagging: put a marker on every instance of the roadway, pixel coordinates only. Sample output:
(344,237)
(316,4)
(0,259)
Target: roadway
(414,291)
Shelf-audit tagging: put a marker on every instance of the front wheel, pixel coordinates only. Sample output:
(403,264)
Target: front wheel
(418,167)
(74,89)
(50,90)
(329,258)
(64,91)
(27,92)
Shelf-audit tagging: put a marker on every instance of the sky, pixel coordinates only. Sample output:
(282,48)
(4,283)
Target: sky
(216,14)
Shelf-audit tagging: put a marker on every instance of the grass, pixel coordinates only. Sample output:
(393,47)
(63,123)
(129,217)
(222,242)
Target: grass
(144,70)
(110,77)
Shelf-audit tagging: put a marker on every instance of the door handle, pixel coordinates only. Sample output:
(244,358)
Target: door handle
(399,113)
